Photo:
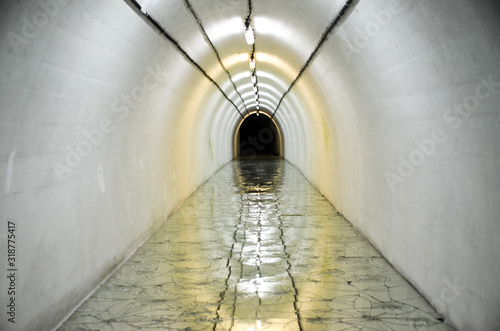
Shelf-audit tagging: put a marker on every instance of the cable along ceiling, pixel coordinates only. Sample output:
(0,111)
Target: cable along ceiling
(249,34)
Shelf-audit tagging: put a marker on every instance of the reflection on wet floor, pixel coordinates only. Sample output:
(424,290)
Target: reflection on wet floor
(256,248)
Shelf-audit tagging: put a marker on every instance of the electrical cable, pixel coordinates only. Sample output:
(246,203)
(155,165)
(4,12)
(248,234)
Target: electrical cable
(151,20)
(198,20)
(320,44)
(252,55)
(250,10)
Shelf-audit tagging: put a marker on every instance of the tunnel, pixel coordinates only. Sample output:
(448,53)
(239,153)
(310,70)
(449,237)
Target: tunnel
(258,136)
(115,113)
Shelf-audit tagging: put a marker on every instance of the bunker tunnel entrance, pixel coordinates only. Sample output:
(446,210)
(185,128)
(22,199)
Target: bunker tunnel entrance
(258,136)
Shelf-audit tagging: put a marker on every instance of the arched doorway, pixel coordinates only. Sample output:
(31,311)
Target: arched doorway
(258,136)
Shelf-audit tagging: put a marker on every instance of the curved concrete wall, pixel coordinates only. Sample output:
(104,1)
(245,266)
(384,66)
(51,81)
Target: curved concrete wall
(106,129)
(415,94)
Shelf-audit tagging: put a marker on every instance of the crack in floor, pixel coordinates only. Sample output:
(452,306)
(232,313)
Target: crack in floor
(256,248)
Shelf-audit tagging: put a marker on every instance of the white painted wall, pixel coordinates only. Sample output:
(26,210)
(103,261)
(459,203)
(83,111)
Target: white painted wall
(391,94)
(347,124)
(68,77)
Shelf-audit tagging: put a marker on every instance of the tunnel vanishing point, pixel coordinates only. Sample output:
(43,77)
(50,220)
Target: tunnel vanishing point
(113,113)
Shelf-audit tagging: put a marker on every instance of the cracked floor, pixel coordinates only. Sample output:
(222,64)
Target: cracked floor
(256,248)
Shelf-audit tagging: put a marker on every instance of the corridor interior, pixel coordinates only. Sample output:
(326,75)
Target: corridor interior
(257,247)
(249,165)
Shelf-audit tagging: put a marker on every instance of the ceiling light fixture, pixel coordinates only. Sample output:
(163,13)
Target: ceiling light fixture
(249,35)
(252,63)
(253,78)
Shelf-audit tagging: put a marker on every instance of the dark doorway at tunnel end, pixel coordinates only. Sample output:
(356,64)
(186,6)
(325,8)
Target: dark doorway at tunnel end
(258,136)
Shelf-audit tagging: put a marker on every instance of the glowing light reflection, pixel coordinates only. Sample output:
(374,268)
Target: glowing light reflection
(224,29)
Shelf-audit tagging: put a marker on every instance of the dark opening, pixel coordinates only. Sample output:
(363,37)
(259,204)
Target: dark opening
(258,136)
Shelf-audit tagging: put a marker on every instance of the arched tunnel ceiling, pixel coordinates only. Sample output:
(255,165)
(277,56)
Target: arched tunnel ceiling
(285,38)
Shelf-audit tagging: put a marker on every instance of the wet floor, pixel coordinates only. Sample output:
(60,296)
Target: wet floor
(256,248)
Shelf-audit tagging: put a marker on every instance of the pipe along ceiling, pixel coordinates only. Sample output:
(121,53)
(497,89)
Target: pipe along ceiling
(114,112)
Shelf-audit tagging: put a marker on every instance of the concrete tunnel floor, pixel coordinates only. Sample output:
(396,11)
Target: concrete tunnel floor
(257,247)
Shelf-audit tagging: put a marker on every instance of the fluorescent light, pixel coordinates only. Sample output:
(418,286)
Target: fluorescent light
(252,63)
(254,78)
(249,36)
